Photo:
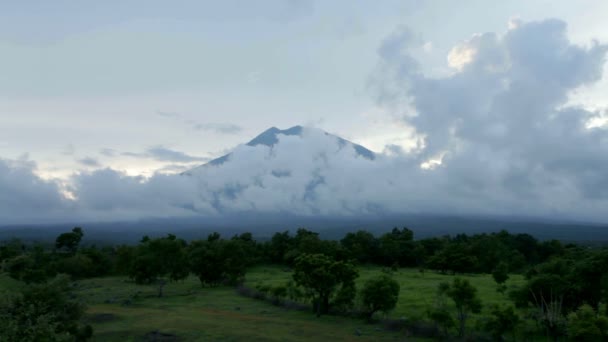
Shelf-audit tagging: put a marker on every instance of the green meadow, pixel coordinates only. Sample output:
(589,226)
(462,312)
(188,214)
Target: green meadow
(120,310)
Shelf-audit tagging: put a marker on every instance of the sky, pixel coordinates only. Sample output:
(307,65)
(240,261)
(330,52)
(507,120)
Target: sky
(472,107)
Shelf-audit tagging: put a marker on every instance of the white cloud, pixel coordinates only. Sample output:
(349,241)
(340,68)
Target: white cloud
(497,137)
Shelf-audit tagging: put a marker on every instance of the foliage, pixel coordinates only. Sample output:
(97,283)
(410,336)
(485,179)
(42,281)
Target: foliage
(465,299)
(501,275)
(69,241)
(43,312)
(215,260)
(361,246)
(322,277)
(586,325)
(502,320)
(380,294)
(158,258)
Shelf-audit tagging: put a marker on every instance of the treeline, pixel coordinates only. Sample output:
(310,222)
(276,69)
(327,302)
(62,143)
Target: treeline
(566,284)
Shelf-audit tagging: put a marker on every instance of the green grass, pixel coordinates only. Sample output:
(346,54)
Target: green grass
(194,313)
(418,290)
(203,314)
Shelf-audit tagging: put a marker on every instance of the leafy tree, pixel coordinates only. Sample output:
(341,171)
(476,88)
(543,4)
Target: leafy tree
(502,320)
(398,247)
(69,241)
(279,245)
(361,246)
(307,242)
(124,259)
(455,257)
(77,265)
(43,312)
(215,260)
(501,275)
(322,277)
(465,299)
(11,249)
(32,267)
(157,259)
(380,294)
(439,313)
(586,325)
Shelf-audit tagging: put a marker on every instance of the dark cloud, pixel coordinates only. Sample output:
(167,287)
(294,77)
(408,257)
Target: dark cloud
(108,152)
(25,197)
(88,161)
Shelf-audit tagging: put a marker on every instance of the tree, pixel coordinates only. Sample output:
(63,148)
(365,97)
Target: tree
(43,312)
(439,313)
(361,246)
(397,247)
(586,325)
(278,246)
(216,260)
(323,277)
(502,320)
(465,299)
(69,241)
(157,259)
(380,294)
(501,275)
(32,267)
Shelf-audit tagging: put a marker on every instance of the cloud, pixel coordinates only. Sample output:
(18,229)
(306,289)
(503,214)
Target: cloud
(161,153)
(25,197)
(502,121)
(222,128)
(165,154)
(69,150)
(497,136)
(108,152)
(88,161)
(215,127)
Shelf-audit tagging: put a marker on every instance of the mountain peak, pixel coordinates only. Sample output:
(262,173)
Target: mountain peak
(270,137)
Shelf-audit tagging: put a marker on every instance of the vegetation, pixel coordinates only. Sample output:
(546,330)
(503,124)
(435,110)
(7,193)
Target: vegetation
(379,294)
(430,288)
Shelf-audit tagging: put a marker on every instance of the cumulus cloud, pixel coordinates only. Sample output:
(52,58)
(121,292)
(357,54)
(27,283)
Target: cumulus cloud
(25,197)
(502,121)
(497,137)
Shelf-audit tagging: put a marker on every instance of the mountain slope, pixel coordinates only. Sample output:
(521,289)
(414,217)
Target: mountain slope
(270,138)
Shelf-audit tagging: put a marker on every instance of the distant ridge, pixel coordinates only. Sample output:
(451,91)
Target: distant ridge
(270,138)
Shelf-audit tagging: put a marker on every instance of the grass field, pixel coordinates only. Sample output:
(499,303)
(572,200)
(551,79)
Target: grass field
(418,290)
(119,310)
(207,314)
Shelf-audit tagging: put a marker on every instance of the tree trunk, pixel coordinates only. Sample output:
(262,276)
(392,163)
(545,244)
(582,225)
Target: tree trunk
(325,304)
(462,318)
(161,285)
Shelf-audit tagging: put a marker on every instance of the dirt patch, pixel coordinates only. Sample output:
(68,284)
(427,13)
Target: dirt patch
(156,335)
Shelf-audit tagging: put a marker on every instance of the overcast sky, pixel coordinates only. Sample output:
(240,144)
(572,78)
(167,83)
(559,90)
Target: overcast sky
(153,86)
